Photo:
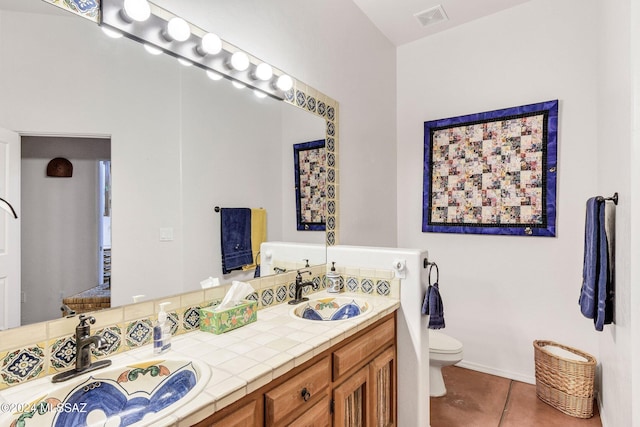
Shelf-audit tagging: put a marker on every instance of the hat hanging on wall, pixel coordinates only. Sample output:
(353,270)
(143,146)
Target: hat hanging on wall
(60,167)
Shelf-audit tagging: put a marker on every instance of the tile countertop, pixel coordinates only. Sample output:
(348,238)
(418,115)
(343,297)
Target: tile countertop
(242,360)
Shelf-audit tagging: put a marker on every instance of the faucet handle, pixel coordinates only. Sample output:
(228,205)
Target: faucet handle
(303,271)
(84,319)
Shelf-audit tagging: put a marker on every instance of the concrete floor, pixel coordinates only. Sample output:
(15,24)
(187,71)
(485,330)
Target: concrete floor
(475,399)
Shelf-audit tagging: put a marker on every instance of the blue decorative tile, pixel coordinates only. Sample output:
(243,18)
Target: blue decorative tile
(292,290)
(22,365)
(331,238)
(331,160)
(317,282)
(367,286)
(331,207)
(281,293)
(113,336)
(253,296)
(267,297)
(63,353)
(331,113)
(331,191)
(383,287)
(331,176)
(322,108)
(139,332)
(301,99)
(331,129)
(352,284)
(289,95)
(174,321)
(331,144)
(331,223)
(191,318)
(311,103)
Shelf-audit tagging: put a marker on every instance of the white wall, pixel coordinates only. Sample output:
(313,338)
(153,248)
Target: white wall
(59,226)
(634,206)
(503,292)
(615,163)
(333,47)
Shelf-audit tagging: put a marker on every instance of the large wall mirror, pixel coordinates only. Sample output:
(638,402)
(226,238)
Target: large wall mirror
(179,145)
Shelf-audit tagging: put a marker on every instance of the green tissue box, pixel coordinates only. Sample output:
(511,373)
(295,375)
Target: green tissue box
(232,318)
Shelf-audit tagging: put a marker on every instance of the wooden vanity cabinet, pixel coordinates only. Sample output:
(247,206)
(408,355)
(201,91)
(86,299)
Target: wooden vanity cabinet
(352,384)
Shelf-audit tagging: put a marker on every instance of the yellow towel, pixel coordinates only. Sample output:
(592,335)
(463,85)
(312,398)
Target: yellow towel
(258,234)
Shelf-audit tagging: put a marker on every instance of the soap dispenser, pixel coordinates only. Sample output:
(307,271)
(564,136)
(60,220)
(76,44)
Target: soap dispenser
(334,283)
(162,331)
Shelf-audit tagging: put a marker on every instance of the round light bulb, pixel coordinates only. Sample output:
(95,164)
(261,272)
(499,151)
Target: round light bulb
(210,45)
(264,72)
(213,75)
(239,61)
(152,49)
(112,33)
(136,10)
(238,85)
(284,83)
(185,62)
(178,30)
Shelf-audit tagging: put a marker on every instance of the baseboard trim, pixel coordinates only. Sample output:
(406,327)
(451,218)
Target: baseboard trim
(498,372)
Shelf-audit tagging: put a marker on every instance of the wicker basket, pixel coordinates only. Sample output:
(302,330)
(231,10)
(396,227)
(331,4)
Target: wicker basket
(565,384)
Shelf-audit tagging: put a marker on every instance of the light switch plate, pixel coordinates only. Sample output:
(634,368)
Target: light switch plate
(166,234)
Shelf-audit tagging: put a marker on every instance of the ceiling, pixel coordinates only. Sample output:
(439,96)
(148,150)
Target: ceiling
(396,20)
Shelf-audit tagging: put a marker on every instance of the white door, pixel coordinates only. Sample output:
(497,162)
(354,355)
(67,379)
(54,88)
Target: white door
(9,230)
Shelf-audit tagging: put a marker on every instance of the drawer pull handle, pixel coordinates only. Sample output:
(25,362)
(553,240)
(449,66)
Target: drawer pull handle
(305,394)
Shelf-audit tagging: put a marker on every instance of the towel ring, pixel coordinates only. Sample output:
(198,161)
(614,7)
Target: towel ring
(431,265)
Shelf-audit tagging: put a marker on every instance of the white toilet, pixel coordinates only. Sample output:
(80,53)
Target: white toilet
(443,351)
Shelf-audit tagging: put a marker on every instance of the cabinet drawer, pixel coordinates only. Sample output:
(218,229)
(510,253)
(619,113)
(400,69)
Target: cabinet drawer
(357,352)
(300,391)
(318,416)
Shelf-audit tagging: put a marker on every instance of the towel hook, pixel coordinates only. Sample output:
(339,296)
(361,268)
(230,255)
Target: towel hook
(431,265)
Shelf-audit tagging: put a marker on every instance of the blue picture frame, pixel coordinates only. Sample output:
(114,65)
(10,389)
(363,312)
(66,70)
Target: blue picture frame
(309,159)
(493,172)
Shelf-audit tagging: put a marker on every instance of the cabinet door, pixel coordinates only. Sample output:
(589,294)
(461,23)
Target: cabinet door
(245,416)
(351,400)
(383,389)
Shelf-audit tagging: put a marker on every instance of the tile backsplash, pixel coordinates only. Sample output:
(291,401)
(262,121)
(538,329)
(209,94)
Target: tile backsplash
(46,348)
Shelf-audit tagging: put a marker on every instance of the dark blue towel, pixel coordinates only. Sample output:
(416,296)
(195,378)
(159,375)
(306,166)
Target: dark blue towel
(432,305)
(235,236)
(596,295)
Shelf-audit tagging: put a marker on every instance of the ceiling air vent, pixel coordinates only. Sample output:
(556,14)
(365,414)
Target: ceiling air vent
(431,16)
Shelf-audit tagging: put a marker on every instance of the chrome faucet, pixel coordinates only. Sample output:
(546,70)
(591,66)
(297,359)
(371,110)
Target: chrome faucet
(279,270)
(299,286)
(84,341)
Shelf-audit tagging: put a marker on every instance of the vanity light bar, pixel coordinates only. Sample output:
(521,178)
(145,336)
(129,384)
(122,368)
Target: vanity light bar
(153,32)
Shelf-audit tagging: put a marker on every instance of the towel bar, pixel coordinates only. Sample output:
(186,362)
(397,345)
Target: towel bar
(613,198)
(217,208)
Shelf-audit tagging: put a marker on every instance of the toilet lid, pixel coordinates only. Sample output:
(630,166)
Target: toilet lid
(442,343)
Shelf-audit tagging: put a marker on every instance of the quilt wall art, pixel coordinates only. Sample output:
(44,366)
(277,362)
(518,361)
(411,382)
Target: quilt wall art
(493,172)
(310,176)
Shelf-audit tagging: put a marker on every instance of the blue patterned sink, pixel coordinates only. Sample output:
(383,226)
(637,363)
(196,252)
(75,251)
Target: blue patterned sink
(331,309)
(138,395)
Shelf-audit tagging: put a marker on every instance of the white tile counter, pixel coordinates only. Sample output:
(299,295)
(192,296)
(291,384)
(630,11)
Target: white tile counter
(241,360)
